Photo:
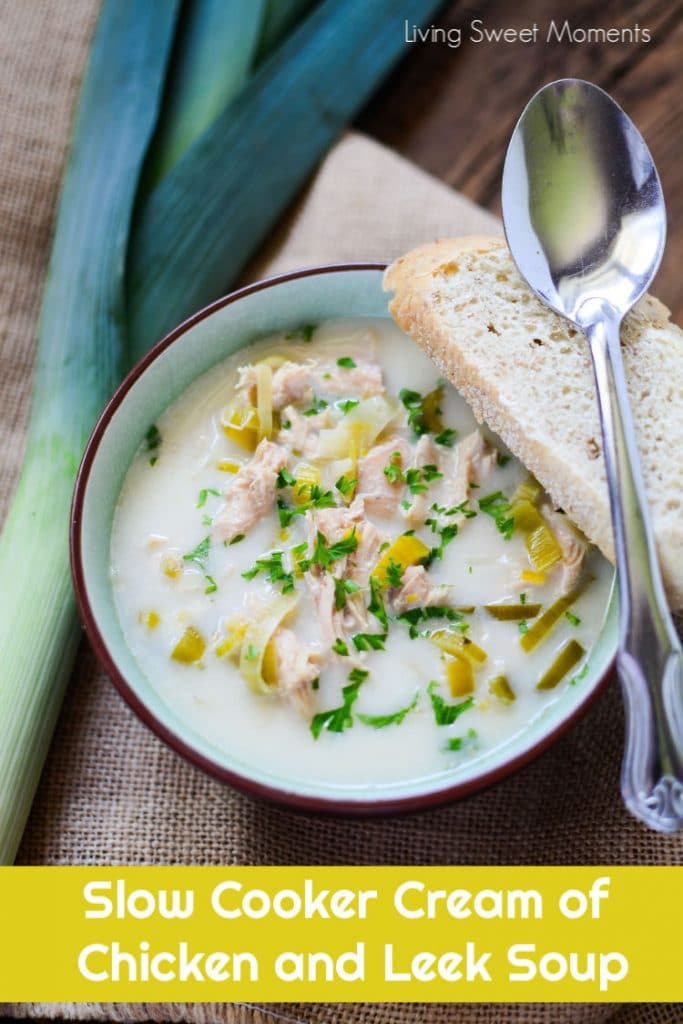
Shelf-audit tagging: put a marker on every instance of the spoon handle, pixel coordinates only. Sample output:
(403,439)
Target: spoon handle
(650,657)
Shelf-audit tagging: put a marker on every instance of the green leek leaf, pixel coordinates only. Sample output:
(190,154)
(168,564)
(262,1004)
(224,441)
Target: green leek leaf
(198,227)
(80,358)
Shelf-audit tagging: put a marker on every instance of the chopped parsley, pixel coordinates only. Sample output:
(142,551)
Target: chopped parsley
(285,478)
(414,481)
(272,566)
(501,459)
(319,404)
(303,333)
(341,589)
(414,616)
(204,493)
(392,470)
(212,585)
(369,641)
(394,573)
(317,498)
(339,647)
(207,520)
(460,742)
(346,405)
(236,539)
(395,718)
(338,719)
(574,619)
(446,437)
(346,486)
(346,363)
(522,598)
(376,606)
(523,626)
(324,554)
(199,554)
(152,442)
(430,473)
(446,714)
(252,653)
(412,402)
(498,507)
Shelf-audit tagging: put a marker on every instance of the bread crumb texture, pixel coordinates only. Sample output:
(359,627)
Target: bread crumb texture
(527,373)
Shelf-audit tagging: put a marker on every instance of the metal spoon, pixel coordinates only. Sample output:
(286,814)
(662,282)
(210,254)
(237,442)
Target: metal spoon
(585,221)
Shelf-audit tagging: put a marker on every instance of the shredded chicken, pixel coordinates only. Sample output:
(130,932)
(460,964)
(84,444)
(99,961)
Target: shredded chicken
(470,462)
(417,591)
(302,432)
(251,495)
(295,383)
(574,546)
(381,496)
(296,666)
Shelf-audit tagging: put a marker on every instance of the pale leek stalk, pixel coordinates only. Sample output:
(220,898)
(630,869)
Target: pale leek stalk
(79,360)
(201,223)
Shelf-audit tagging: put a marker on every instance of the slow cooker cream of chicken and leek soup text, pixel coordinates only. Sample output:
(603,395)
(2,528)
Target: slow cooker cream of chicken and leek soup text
(327,568)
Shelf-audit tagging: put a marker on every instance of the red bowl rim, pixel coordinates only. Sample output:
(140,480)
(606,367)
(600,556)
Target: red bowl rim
(271,794)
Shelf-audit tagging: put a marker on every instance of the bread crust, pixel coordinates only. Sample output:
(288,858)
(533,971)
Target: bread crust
(444,292)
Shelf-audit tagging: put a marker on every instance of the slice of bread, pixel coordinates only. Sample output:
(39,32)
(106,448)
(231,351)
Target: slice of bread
(527,373)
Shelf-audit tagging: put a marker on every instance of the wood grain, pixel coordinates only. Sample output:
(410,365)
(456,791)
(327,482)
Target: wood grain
(452,110)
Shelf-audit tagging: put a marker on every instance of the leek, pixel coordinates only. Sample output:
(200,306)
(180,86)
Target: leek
(201,223)
(217,43)
(79,360)
(570,655)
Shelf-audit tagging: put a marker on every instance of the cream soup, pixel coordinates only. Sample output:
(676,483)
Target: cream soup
(327,568)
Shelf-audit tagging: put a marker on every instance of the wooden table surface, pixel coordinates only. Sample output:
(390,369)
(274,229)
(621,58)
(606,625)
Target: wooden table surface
(452,110)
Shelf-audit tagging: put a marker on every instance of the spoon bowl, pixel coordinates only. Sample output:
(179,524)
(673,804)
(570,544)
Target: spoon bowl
(586,224)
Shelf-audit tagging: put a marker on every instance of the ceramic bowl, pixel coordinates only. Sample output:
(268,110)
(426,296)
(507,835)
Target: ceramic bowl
(203,340)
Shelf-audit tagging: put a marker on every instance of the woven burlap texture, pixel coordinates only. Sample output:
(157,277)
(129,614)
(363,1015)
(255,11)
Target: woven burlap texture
(111,792)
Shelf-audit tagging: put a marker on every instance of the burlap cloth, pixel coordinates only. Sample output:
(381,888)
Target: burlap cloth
(111,792)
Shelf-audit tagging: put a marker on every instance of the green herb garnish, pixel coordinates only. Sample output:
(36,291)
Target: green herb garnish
(395,718)
(574,619)
(252,653)
(347,363)
(236,539)
(394,573)
(204,493)
(200,553)
(347,404)
(376,606)
(338,719)
(341,589)
(339,647)
(458,742)
(212,585)
(446,437)
(305,333)
(346,486)
(272,566)
(285,478)
(392,470)
(498,507)
(369,641)
(319,404)
(324,554)
(446,714)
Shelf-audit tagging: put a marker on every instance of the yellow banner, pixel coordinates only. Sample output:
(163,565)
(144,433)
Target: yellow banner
(331,934)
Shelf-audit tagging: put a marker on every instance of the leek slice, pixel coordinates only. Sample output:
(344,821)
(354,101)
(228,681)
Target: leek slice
(264,400)
(500,688)
(357,431)
(460,675)
(512,612)
(406,550)
(256,668)
(550,617)
(570,655)
(190,647)
(201,223)
(80,358)
(457,644)
(240,423)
